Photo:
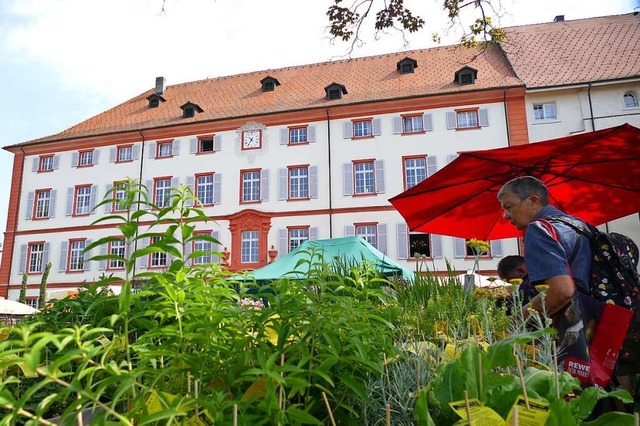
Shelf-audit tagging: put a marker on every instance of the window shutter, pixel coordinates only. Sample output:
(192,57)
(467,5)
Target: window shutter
(382,238)
(74,159)
(135,152)
(144,260)
(216,246)
(217,188)
(397,124)
(109,195)
(313,182)
(283,184)
(52,203)
(93,199)
(349,230)
(191,180)
(150,194)
(284,136)
(313,233)
(436,246)
(451,157)
(347,176)
(282,242)
(175,147)
(86,263)
(483,117)
(70,199)
(193,146)
(459,248)
(188,249)
(112,155)
(96,157)
(45,255)
(432,165)
(62,266)
(496,248)
(23,258)
(152,150)
(56,161)
(428,122)
(217,143)
(549,111)
(379,166)
(36,163)
(103,252)
(376,127)
(264,185)
(451,120)
(30,199)
(175,182)
(347,129)
(311,134)
(402,240)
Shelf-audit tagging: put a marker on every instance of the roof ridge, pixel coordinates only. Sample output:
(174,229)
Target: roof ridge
(570,20)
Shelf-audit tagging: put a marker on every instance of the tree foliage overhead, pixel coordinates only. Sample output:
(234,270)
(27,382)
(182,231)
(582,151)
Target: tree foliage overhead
(346,20)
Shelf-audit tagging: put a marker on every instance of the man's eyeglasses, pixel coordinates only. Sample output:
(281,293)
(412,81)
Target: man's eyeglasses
(508,209)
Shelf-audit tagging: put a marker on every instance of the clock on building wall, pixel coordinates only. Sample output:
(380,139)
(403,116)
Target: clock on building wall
(251,139)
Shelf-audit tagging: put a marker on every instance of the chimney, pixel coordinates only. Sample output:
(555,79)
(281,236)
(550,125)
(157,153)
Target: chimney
(160,85)
(558,18)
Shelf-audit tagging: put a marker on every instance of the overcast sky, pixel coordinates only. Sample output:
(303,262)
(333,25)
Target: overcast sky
(63,61)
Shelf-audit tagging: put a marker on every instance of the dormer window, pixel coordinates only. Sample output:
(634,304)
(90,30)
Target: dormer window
(190,109)
(335,91)
(407,65)
(154,100)
(466,75)
(269,84)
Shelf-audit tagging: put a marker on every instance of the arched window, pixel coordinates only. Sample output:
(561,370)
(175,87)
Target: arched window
(630,100)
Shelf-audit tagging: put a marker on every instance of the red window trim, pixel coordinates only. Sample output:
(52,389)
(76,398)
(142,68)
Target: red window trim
(193,245)
(35,203)
(357,224)
(404,167)
(213,141)
(118,148)
(68,263)
(195,188)
(476,110)
(155,185)
(40,163)
(241,192)
(295,228)
(300,166)
(417,132)
(42,266)
(150,255)
(290,128)
(80,152)
(75,200)
(114,206)
(109,246)
(164,142)
(242,140)
(361,120)
(353,172)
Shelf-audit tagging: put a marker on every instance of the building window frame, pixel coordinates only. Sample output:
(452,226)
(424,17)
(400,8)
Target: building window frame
(35,257)
(164,149)
(157,260)
(206,144)
(75,256)
(298,135)
(202,246)
(362,128)
(42,204)
(364,177)
(413,173)
(116,247)
(467,119)
(545,111)
(630,100)
(250,186)
(82,200)
(250,246)
(412,123)
(296,235)
(205,188)
(368,231)
(416,239)
(119,193)
(298,182)
(85,158)
(45,163)
(124,154)
(162,191)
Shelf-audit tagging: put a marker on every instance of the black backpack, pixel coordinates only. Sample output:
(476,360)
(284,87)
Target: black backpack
(614,275)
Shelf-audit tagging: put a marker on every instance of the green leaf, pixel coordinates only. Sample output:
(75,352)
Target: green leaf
(301,416)
(612,419)
(560,414)
(421,410)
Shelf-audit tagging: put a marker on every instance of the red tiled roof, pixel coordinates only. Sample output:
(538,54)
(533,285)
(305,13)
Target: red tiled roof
(578,51)
(366,79)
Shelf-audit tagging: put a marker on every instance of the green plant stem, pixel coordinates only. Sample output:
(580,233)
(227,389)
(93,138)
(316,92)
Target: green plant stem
(29,415)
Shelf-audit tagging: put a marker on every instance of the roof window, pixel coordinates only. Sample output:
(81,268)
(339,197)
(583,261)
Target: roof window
(154,100)
(335,91)
(190,110)
(269,84)
(466,75)
(407,65)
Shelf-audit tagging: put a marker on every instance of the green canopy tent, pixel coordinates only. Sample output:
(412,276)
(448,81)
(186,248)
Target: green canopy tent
(348,250)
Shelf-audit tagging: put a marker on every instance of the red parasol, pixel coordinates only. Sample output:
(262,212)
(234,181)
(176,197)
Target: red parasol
(594,176)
